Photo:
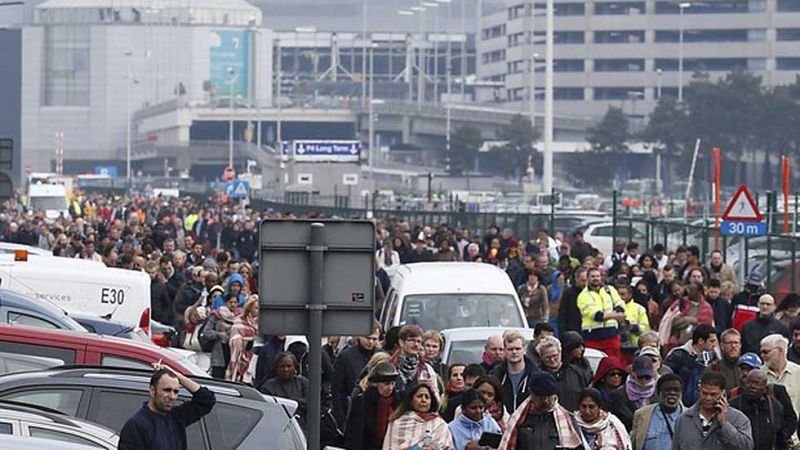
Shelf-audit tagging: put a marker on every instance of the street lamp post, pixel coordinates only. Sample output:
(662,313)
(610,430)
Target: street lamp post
(128,54)
(364,9)
(681,7)
(659,74)
(547,169)
(448,85)
(232,80)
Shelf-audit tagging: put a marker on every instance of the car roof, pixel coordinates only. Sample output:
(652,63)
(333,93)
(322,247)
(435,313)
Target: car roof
(481,333)
(11,442)
(43,307)
(55,336)
(102,375)
(35,414)
(452,277)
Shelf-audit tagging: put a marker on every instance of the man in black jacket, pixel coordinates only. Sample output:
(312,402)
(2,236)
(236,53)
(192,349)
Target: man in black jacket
(160,425)
(771,424)
(571,380)
(514,372)
(763,325)
(569,316)
(347,370)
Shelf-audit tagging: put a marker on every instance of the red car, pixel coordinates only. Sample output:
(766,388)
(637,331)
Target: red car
(71,348)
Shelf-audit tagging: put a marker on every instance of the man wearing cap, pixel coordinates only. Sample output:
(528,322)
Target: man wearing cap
(771,425)
(745,303)
(654,424)
(369,412)
(655,357)
(745,363)
(540,423)
(420,253)
(638,392)
(764,324)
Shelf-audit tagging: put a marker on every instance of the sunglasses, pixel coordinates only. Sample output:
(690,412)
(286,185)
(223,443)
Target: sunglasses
(615,374)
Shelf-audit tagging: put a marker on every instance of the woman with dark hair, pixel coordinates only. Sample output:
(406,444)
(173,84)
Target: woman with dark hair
(370,410)
(598,428)
(416,423)
(492,392)
(453,391)
(287,383)
(788,309)
(468,427)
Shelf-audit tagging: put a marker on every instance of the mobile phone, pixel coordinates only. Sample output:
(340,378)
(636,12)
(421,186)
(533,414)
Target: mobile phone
(490,439)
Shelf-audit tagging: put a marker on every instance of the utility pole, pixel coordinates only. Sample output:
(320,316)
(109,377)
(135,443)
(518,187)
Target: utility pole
(547,170)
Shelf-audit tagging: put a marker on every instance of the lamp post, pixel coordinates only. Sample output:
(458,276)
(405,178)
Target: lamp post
(232,80)
(419,10)
(463,51)
(448,84)
(681,7)
(659,74)
(547,169)
(128,54)
(364,9)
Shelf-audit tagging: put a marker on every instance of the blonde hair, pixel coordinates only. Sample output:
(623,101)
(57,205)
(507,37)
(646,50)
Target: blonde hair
(547,342)
(512,335)
(433,335)
(376,359)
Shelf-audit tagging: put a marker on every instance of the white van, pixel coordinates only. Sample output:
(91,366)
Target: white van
(78,285)
(442,295)
(50,198)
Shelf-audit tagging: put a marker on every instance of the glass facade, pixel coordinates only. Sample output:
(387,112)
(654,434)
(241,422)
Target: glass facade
(66,66)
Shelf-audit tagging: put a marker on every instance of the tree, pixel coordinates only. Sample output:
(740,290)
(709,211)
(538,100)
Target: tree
(666,130)
(607,137)
(465,141)
(520,136)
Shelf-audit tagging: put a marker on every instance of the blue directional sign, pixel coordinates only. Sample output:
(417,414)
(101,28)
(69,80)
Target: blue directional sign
(743,228)
(238,189)
(323,151)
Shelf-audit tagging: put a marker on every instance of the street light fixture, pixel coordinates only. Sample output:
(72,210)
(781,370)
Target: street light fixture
(232,81)
(128,54)
(681,6)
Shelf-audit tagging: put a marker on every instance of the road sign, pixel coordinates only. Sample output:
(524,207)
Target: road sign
(229,174)
(238,189)
(742,208)
(323,151)
(286,281)
(743,228)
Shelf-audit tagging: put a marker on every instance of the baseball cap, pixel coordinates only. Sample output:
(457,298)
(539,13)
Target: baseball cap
(750,359)
(649,351)
(642,366)
(754,278)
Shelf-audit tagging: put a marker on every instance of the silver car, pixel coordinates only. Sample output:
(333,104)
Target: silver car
(35,422)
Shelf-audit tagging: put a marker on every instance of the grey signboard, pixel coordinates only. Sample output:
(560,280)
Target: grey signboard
(286,282)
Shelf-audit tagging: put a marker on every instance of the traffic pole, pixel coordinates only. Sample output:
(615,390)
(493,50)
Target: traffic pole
(717,155)
(315,308)
(786,169)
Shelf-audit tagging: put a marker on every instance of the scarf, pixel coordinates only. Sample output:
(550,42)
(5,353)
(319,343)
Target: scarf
(408,366)
(592,433)
(243,331)
(487,360)
(567,433)
(428,415)
(596,427)
(639,394)
(382,414)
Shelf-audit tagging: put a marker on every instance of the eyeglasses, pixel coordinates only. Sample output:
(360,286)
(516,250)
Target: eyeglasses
(766,352)
(615,374)
(731,343)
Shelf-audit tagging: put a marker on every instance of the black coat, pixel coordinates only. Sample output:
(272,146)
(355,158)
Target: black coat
(623,408)
(755,330)
(569,317)
(147,430)
(161,304)
(770,423)
(360,432)
(346,371)
(512,399)
(571,381)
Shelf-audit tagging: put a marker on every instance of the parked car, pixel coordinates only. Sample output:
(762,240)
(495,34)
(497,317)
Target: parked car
(86,348)
(26,420)
(440,295)
(11,442)
(17,362)
(465,345)
(242,418)
(600,235)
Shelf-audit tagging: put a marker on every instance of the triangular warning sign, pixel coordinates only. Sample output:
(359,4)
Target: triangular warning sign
(241,189)
(742,207)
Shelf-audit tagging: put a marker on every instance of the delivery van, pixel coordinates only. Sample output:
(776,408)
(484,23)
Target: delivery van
(80,286)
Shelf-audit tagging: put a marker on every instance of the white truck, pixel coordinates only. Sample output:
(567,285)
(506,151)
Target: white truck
(50,198)
(83,286)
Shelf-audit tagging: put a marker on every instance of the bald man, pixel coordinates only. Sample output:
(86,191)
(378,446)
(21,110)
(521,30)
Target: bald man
(492,352)
(771,421)
(763,325)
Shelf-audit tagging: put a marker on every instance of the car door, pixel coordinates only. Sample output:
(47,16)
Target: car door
(113,407)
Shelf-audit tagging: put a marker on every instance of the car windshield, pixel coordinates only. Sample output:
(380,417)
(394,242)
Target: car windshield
(443,311)
(465,352)
(48,203)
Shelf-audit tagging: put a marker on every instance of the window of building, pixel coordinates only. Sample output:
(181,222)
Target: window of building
(493,56)
(618,65)
(788,6)
(730,35)
(568,65)
(702,64)
(516,11)
(618,93)
(788,34)
(788,64)
(516,39)
(515,94)
(66,66)
(716,7)
(564,8)
(493,32)
(619,8)
(568,93)
(756,64)
(516,66)
(619,37)
(568,37)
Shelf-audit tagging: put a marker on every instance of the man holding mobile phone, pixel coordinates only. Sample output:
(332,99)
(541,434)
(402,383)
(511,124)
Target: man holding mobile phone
(711,424)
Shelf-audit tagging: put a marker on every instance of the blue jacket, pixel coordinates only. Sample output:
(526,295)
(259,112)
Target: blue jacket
(235,278)
(465,429)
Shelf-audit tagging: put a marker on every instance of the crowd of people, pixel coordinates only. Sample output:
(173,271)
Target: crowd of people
(692,359)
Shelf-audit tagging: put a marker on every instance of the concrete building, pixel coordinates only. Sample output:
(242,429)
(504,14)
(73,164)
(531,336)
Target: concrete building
(624,53)
(90,64)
